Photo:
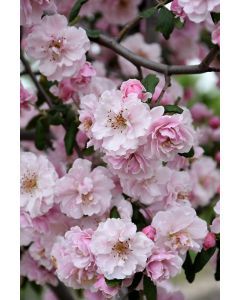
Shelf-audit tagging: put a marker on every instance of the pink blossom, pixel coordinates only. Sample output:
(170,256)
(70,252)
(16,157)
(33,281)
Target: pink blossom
(74,262)
(65,90)
(118,124)
(180,229)
(32,10)
(119,11)
(106,290)
(119,250)
(215,227)
(166,293)
(137,45)
(59,48)
(49,295)
(169,135)
(216,35)
(134,86)
(131,164)
(97,86)
(163,265)
(123,206)
(30,269)
(198,10)
(200,112)
(150,189)
(214,122)
(209,241)
(217,156)
(178,10)
(26,97)
(205,178)
(84,192)
(38,179)
(172,94)
(150,232)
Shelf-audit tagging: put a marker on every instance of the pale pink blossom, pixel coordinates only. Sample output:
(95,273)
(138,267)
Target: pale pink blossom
(178,10)
(123,206)
(216,35)
(180,229)
(30,269)
(215,227)
(198,10)
(119,250)
(84,192)
(73,259)
(205,178)
(200,112)
(136,87)
(38,179)
(150,189)
(169,135)
(131,164)
(137,45)
(118,123)
(119,11)
(104,288)
(26,98)
(209,241)
(163,265)
(172,94)
(150,232)
(49,295)
(31,11)
(59,48)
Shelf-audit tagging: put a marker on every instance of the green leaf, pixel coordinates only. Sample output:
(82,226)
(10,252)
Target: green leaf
(150,290)
(114,213)
(172,109)
(93,33)
(188,154)
(69,138)
(56,119)
(88,151)
(75,9)
(202,259)
(33,122)
(178,23)
(215,17)
(166,22)
(42,130)
(136,280)
(188,268)
(150,82)
(113,282)
(147,13)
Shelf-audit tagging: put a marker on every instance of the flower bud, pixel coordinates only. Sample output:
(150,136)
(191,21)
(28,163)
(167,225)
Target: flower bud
(150,232)
(209,241)
(214,122)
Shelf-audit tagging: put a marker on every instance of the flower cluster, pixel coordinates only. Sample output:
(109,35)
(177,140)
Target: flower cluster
(112,186)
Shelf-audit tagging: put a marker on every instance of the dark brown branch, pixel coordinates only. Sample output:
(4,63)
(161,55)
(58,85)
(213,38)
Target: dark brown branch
(158,67)
(35,81)
(127,28)
(27,135)
(44,94)
(62,292)
(166,86)
(210,57)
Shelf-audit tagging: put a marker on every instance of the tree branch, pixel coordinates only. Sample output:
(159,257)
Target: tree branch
(166,86)
(158,67)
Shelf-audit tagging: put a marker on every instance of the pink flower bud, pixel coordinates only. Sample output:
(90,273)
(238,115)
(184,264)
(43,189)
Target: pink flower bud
(134,86)
(214,122)
(209,241)
(150,232)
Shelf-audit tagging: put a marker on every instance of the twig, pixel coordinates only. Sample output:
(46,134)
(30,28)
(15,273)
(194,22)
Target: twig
(166,86)
(35,81)
(158,67)
(127,28)
(44,94)
(140,74)
(61,291)
(210,57)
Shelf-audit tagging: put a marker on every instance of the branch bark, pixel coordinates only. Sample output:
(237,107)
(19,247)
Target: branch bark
(158,67)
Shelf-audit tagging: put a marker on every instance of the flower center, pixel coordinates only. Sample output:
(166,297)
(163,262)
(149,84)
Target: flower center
(121,249)
(117,121)
(29,182)
(183,195)
(56,47)
(87,198)
(167,143)
(180,239)
(123,3)
(142,53)
(87,124)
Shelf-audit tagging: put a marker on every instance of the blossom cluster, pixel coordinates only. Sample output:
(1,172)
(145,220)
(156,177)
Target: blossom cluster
(131,205)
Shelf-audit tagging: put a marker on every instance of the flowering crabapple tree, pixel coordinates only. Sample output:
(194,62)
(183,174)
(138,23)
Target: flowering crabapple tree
(119,148)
